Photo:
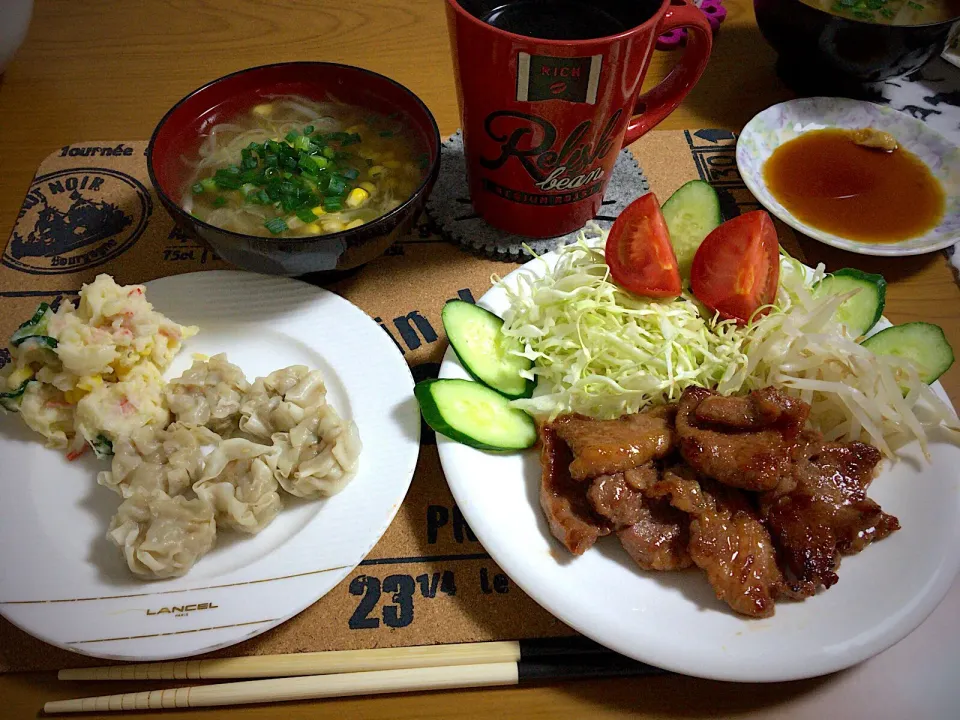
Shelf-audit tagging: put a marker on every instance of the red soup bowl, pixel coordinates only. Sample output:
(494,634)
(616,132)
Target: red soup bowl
(181,131)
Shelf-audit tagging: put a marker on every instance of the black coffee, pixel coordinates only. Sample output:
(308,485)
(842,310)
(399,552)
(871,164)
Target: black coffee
(562,19)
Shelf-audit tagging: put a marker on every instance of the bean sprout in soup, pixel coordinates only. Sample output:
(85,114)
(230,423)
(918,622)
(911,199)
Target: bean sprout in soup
(293,167)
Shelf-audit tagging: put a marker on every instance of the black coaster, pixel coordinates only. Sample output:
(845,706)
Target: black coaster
(450,209)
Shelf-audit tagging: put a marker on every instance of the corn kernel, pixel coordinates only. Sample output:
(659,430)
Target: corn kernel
(354,223)
(89,382)
(263,110)
(357,197)
(375,171)
(333,226)
(369,187)
(354,129)
(318,210)
(200,356)
(392,164)
(312,228)
(74,396)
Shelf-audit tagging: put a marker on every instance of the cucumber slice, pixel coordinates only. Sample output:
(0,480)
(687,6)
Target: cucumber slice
(37,325)
(921,342)
(38,341)
(474,415)
(692,213)
(11,400)
(476,337)
(102,447)
(863,310)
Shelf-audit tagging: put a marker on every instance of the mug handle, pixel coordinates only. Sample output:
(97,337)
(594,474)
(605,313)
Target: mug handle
(654,105)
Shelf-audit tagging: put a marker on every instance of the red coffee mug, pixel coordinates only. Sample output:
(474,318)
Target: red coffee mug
(543,120)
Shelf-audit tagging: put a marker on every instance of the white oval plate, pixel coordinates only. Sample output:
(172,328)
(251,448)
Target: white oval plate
(781,123)
(62,581)
(672,619)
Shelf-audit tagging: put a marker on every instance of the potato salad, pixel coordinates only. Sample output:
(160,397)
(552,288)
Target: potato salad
(86,375)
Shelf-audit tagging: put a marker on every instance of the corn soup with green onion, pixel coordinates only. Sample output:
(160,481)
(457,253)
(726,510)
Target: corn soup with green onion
(294,167)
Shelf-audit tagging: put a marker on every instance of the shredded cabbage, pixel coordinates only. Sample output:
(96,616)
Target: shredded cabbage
(603,352)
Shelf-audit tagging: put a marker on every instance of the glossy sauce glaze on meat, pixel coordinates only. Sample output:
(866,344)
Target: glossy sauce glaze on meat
(826,513)
(736,486)
(571,519)
(603,447)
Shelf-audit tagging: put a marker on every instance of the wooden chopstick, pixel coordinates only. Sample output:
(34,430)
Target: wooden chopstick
(343,661)
(349,684)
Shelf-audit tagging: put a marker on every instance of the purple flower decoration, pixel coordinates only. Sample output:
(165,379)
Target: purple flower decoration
(715,13)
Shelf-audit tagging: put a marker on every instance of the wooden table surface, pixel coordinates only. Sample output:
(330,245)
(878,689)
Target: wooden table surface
(109,69)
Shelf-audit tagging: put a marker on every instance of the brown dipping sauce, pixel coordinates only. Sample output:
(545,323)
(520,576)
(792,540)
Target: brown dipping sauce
(827,180)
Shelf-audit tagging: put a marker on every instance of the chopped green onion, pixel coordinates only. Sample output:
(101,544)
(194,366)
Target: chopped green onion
(291,136)
(337,186)
(220,201)
(351,139)
(328,152)
(351,173)
(332,204)
(386,133)
(276,225)
(306,215)
(226,183)
(197,189)
(308,130)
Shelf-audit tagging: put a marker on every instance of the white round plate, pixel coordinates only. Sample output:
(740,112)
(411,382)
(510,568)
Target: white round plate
(781,123)
(673,619)
(62,581)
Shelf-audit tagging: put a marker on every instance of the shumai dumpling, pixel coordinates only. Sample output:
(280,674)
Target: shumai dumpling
(161,536)
(239,483)
(208,393)
(319,456)
(153,458)
(279,401)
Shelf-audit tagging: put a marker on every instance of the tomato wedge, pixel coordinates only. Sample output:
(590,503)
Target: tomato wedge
(736,270)
(639,253)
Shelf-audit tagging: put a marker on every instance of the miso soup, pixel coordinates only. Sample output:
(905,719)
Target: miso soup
(891,12)
(292,167)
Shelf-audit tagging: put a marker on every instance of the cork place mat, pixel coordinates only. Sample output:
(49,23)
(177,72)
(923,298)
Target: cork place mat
(91,210)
